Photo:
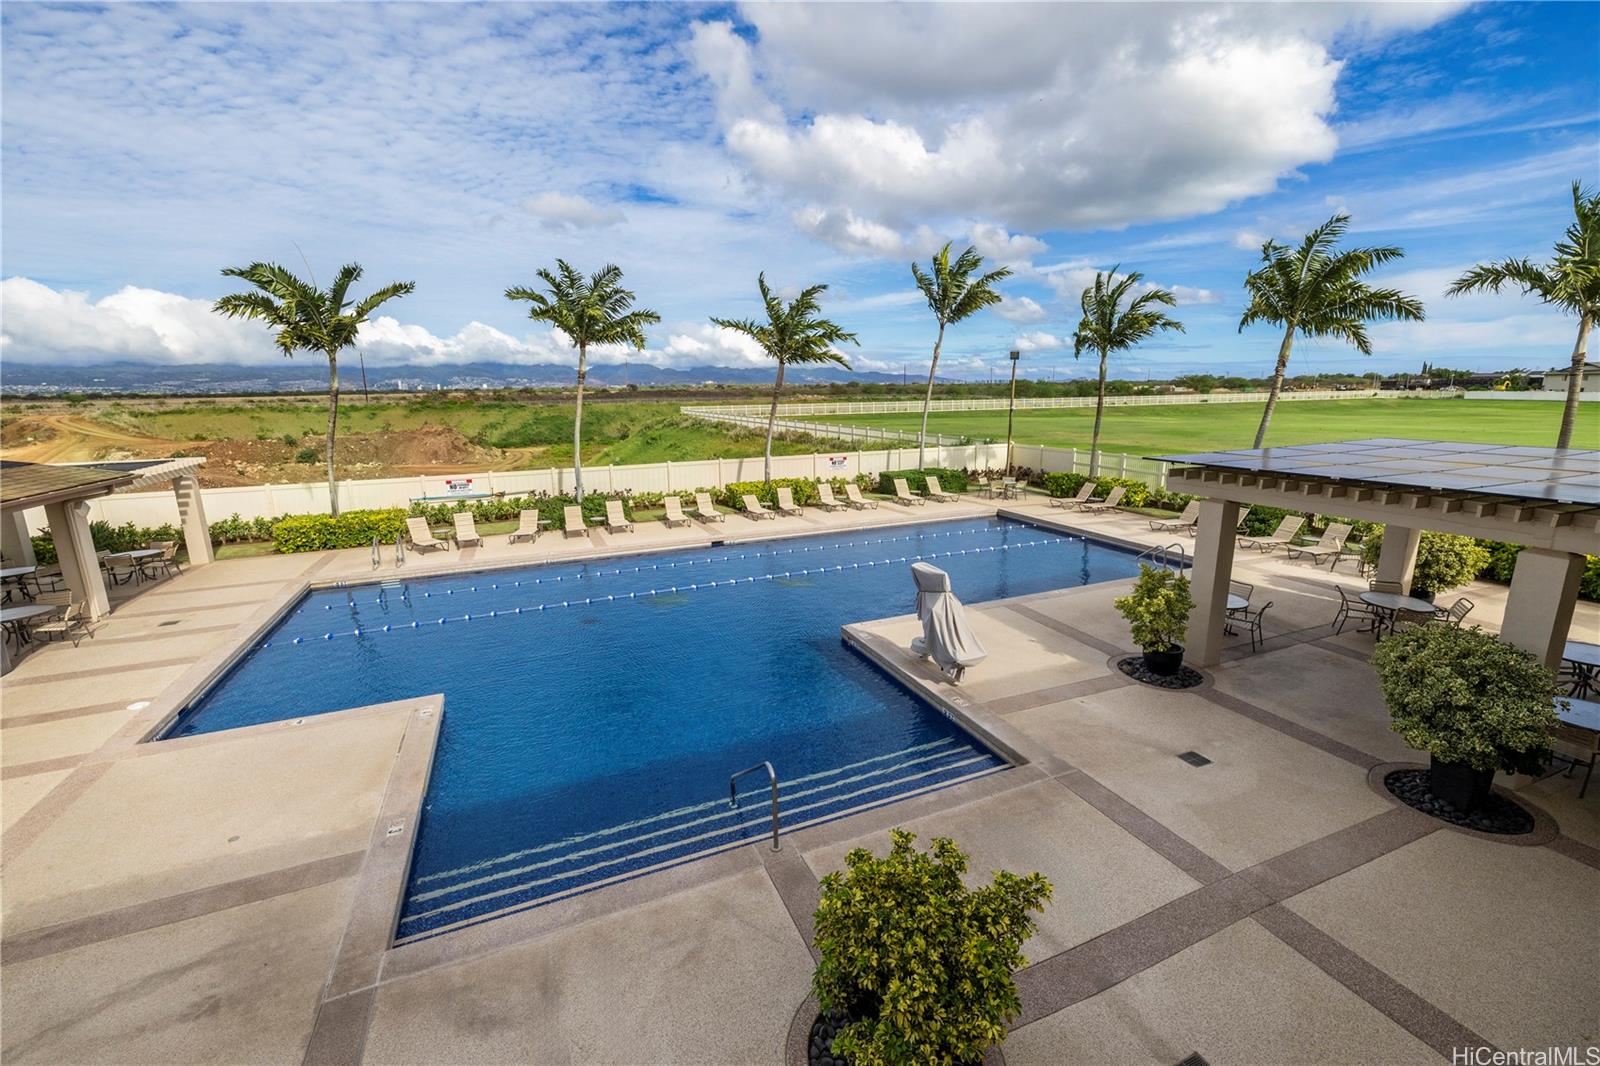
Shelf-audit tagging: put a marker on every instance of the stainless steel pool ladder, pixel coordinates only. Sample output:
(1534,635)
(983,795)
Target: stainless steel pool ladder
(399,549)
(1172,555)
(772,778)
(377,556)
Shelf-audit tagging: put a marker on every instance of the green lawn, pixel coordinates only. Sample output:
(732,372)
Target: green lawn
(1205,427)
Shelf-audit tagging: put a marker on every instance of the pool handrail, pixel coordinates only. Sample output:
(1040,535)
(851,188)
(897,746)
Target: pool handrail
(772,778)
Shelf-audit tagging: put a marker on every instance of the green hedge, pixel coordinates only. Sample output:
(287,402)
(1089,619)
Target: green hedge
(508,508)
(803,488)
(917,480)
(352,529)
(108,538)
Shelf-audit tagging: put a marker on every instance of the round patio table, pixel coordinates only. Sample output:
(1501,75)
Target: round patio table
(1235,603)
(16,619)
(1392,603)
(18,576)
(1585,661)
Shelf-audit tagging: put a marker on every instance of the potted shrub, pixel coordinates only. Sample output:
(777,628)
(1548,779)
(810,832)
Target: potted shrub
(1445,561)
(1157,611)
(1475,703)
(913,966)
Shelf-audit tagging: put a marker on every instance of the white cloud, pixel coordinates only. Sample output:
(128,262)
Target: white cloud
(1038,341)
(1008,249)
(1189,294)
(843,229)
(1249,240)
(561,211)
(1020,309)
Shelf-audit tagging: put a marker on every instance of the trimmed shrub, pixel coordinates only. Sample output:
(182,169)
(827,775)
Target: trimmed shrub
(506,509)
(917,480)
(803,489)
(1158,608)
(1445,561)
(352,529)
(107,538)
(1135,493)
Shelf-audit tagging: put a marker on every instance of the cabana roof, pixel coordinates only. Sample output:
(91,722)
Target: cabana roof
(148,472)
(36,484)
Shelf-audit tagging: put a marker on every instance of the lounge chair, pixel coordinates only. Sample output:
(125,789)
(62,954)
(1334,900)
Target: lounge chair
(71,624)
(1352,607)
(705,510)
(422,538)
(528,523)
(1283,536)
(852,493)
(1186,520)
(825,498)
(1112,501)
(753,509)
(936,492)
(1329,547)
(675,515)
(616,520)
(1238,527)
(786,504)
(1070,502)
(902,494)
(466,530)
(572,521)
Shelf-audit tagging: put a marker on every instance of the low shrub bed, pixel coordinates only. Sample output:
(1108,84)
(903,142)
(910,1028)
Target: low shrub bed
(352,529)
(508,508)
(108,538)
(917,480)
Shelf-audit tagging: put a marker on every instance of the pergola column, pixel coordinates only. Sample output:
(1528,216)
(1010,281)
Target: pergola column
(1208,579)
(15,543)
(192,515)
(69,530)
(1398,555)
(1544,590)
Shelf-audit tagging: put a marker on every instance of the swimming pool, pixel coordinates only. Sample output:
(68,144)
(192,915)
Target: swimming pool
(594,710)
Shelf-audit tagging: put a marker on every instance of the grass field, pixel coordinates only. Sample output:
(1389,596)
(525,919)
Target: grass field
(1201,427)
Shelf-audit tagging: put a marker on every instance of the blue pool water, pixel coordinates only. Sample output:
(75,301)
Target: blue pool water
(593,711)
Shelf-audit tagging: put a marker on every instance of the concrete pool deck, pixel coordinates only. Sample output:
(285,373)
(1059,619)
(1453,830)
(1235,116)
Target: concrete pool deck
(212,899)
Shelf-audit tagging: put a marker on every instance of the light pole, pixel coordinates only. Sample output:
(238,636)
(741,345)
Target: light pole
(1011,412)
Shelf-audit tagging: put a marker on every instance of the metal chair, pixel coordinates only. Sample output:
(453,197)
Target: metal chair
(1252,624)
(1455,612)
(1354,608)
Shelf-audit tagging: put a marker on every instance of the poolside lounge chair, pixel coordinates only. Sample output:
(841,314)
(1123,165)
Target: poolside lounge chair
(825,498)
(786,504)
(71,624)
(935,491)
(616,520)
(572,521)
(466,530)
(528,523)
(1328,547)
(705,510)
(1112,501)
(902,494)
(852,493)
(675,515)
(1283,536)
(753,509)
(422,538)
(1186,520)
(1072,502)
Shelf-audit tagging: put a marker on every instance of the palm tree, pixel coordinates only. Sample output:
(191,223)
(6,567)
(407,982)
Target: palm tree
(953,294)
(1318,291)
(792,334)
(1571,282)
(309,319)
(592,310)
(1108,327)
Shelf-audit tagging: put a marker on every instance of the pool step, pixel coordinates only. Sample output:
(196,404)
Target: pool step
(544,872)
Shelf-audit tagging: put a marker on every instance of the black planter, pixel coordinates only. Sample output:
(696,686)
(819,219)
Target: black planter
(820,1044)
(1458,784)
(1165,663)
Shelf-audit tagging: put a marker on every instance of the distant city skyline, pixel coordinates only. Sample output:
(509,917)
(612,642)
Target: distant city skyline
(145,147)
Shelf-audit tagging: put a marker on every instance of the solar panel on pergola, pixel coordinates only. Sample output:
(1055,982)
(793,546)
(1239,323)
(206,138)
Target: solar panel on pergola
(1543,475)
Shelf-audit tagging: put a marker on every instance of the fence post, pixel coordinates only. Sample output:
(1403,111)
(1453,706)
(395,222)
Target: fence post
(1122,464)
(669,475)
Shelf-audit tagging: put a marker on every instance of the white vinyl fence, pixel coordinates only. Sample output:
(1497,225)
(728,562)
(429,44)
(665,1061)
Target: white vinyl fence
(1077,460)
(269,501)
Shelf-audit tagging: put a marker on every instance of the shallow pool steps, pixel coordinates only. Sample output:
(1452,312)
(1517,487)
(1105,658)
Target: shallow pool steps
(541,873)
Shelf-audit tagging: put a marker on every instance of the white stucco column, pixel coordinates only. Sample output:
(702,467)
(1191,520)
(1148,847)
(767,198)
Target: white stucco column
(1544,590)
(15,543)
(192,515)
(1398,555)
(69,529)
(1208,579)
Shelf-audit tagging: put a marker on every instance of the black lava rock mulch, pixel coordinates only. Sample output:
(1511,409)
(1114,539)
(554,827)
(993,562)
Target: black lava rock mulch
(1186,677)
(1497,815)
(820,1047)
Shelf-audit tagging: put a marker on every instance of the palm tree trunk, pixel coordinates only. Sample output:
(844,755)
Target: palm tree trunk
(333,424)
(1277,384)
(577,423)
(922,438)
(1569,413)
(1099,409)
(772,422)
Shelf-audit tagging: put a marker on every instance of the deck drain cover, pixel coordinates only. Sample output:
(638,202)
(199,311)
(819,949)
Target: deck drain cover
(1195,1059)
(1194,758)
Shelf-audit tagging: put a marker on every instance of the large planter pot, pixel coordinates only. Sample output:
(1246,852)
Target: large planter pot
(820,1043)
(1458,784)
(1165,663)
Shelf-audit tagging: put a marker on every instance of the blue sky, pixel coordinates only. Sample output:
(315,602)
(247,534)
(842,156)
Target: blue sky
(146,146)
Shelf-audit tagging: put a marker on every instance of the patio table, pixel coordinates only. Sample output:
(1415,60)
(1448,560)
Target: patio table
(17,575)
(1235,603)
(1578,723)
(1584,659)
(15,619)
(1392,603)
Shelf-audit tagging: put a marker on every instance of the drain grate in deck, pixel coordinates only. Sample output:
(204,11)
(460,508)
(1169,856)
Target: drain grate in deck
(1193,758)
(1195,1058)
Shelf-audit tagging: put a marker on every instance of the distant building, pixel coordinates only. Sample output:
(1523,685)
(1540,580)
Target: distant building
(1556,380)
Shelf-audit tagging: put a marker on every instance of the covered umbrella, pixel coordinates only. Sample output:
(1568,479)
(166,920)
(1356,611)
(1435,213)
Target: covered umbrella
(946,638)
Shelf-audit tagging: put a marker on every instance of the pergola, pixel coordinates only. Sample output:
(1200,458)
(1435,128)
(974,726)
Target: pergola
(64,492)
(1546,499)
